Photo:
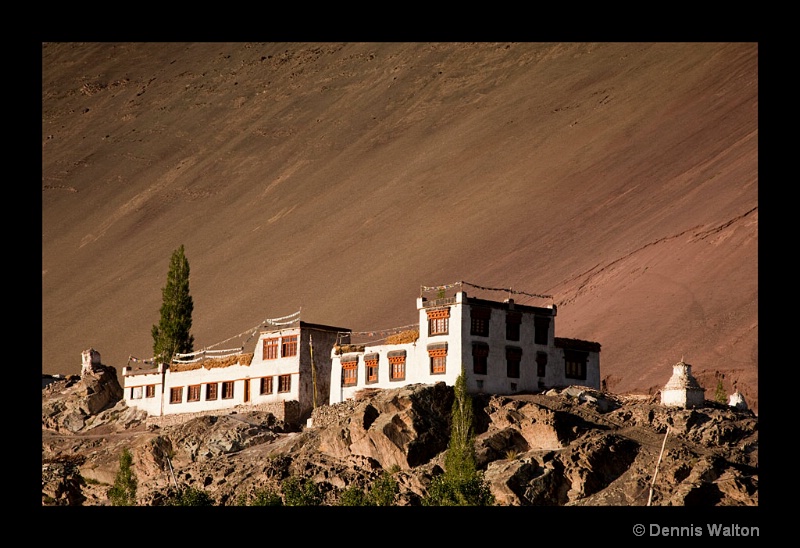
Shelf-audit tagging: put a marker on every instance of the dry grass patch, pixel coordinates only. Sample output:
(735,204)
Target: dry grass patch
(403,337)
(210,363)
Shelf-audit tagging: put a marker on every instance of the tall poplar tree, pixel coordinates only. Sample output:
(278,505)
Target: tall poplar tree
(462,484)
(171,335)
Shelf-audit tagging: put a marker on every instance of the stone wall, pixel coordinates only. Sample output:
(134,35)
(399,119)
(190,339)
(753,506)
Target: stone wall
(288,412)
(326,415)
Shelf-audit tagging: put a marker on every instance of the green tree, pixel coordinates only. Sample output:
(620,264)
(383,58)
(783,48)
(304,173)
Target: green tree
(461,484)
(300,493)
(123,492)
(720,395)
(172,334)
(189,496)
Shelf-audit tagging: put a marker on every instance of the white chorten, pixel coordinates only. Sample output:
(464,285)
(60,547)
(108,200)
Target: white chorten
(90,361)
(736,401)
(682,389)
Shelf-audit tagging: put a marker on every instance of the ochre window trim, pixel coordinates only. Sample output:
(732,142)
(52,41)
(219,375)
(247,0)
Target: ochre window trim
(271,346)
(398,363)
(371,368)
(439,313)
(350,372)
(438,358)
(289,346)
(227,390)
(284,383)
(438,364)
(438,321)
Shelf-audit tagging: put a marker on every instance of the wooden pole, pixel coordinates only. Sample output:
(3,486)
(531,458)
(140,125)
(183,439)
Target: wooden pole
(172,472)
(652,483)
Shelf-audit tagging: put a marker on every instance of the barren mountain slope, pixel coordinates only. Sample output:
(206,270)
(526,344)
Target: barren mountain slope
(620,178)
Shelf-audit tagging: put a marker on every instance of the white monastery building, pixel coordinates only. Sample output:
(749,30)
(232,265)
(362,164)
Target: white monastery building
(502,347)
(288,373)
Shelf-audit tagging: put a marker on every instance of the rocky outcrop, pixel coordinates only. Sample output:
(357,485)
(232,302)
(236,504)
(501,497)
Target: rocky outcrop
(569,447)
(406,429)
(70,404)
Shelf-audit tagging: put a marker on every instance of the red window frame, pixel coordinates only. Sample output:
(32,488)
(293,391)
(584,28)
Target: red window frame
(194,393)
(266,385)
(227,390)
(284,383)
(176,394)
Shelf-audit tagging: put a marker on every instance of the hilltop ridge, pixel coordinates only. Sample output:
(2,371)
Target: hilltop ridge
(569,447)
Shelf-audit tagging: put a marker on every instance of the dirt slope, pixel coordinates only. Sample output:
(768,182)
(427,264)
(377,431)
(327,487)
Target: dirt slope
(337,179)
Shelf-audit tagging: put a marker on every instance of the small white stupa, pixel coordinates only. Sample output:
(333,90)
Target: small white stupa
(736,401)
(682,389)
(90,361)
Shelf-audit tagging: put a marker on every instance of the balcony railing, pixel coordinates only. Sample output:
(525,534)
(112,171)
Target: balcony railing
(438,302)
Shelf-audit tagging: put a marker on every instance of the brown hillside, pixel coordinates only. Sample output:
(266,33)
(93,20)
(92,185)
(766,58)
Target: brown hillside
(337,179)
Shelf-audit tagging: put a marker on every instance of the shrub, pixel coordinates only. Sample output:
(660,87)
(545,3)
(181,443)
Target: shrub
(263,497)
(123,492)
(353,496)
(300,493)
(189,496)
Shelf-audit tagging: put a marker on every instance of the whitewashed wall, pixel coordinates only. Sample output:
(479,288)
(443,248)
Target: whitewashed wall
(459,355)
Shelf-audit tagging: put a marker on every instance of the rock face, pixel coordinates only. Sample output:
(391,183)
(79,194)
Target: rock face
(570,447)
(69,403)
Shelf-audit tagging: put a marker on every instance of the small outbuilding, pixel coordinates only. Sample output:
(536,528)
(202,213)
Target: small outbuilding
(682,389)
